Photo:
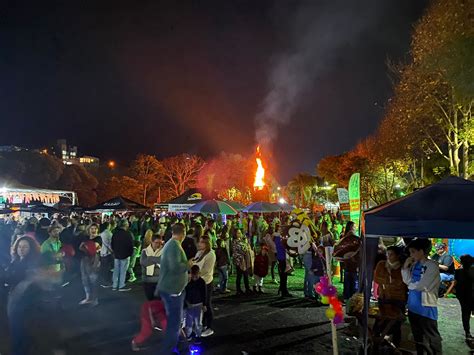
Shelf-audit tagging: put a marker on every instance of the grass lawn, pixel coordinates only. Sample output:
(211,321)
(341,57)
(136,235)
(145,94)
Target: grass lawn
(295,282)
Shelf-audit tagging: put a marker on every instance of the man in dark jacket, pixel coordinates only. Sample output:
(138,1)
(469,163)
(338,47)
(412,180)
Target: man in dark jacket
(189,244)
(122,246)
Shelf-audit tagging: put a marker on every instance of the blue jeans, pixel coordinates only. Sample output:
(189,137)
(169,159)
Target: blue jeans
(446,277)
(223,277)
(174,313)
(193,320)
(351,282)
(309,278)
(120,272)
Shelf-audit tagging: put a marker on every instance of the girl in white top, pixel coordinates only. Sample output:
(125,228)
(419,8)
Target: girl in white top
(206,260)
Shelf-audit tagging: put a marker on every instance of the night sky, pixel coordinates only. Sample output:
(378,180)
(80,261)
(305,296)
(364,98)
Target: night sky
(120,78)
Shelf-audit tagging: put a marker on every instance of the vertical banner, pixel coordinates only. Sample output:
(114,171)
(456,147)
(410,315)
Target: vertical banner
(343,197)
(354,199)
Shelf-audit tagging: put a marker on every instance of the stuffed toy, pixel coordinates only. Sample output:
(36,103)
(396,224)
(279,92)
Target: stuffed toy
(298,238)
(302,218)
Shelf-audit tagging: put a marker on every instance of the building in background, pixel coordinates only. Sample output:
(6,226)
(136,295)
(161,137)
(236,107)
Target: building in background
(87,160)
(65,152)
(69,154)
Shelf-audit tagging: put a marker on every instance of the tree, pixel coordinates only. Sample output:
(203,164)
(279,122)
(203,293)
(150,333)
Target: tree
(147,170)
(435,94)
(301,188)
(120,186)
(181,172)
(31,168)
(229,176)
(77,178)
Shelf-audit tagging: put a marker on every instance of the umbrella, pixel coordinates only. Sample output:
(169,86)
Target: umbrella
(261,207)
(212,206)
(235,205)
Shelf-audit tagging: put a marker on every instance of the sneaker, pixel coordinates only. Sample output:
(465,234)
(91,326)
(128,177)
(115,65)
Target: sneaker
(207,333)
(124,289)
(189,339)
(114,289)
(106,286)
(134,346)
(226,291)
(85,301)
(132,279)
(94,303)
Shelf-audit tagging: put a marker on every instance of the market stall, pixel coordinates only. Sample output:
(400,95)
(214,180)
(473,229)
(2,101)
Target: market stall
(441,210)
(17,194)
(183,202)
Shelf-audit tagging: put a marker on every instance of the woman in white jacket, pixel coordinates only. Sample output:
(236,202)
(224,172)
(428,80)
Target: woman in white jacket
(206,260)
(422,277)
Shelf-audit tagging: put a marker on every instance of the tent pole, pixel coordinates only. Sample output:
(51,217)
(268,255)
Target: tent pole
(328,255)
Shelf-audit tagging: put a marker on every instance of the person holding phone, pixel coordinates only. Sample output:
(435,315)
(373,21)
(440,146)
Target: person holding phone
(421,275)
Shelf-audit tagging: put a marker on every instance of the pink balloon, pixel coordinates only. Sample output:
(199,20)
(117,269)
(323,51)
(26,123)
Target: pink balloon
(318,288)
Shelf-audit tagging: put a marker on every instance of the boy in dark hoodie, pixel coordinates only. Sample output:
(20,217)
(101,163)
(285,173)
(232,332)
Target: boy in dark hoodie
(194,303)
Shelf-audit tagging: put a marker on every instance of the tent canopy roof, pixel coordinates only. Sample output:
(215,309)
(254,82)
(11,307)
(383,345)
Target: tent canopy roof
(189,197)
(441,210)
(120,203)
(10,186)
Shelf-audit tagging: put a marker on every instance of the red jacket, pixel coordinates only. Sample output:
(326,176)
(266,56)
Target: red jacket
(260,266)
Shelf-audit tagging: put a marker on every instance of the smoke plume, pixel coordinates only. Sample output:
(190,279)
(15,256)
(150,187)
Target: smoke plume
(319,31)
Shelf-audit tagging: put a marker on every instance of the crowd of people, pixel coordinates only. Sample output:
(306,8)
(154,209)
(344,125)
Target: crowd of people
(178,257)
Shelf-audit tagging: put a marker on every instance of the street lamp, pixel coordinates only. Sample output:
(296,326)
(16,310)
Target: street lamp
(111,164)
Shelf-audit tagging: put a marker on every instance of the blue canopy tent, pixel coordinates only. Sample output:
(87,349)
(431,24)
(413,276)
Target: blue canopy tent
(441,210)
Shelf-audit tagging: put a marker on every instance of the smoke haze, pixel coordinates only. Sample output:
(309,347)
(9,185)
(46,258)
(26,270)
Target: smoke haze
(319,30)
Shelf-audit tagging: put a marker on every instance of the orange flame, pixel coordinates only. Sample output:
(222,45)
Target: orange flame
(259,182)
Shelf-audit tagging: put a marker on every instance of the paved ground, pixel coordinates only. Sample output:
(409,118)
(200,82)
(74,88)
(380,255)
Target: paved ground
(262,324)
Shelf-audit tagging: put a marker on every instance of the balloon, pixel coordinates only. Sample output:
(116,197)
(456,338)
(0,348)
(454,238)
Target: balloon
(324,281)
(318,287)
(333,301)
(324,300)
(330,313)
(338,318)
(331,290)
(324,291)
(68,250)
(337,307)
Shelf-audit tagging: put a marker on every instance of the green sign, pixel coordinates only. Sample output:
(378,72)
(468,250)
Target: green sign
(354,199)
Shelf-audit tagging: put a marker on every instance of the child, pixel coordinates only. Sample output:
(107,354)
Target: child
(260,268)
(152,315)
(194,303)
(222,263)
(422,277)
